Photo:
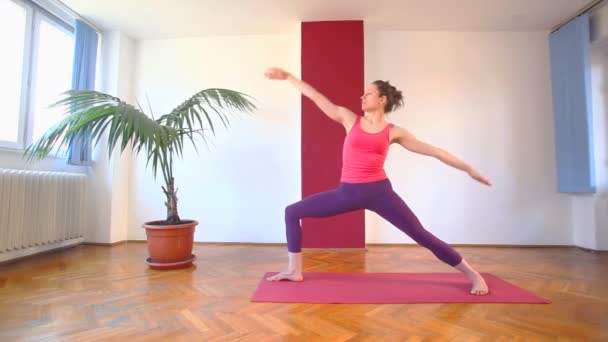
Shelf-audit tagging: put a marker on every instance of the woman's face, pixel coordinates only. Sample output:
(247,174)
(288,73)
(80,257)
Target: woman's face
(371,101)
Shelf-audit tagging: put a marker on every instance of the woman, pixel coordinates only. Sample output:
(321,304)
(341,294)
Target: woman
(363,182)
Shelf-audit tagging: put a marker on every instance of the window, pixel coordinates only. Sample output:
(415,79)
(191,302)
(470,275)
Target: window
(13,34)
(36,69)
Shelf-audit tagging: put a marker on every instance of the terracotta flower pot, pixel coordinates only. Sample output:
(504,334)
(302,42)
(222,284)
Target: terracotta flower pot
(170,246)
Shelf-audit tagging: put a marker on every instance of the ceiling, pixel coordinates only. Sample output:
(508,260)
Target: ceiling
(156,19)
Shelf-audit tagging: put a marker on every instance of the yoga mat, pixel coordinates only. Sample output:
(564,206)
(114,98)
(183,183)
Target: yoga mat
(389,288)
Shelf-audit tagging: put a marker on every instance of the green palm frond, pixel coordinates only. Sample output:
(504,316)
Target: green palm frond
(93,113)
(194,116)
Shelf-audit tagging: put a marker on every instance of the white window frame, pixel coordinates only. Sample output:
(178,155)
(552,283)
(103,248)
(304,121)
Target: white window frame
(25,69)
(34,16)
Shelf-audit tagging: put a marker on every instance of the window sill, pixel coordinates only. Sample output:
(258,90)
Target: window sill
(17,151)
(52,161)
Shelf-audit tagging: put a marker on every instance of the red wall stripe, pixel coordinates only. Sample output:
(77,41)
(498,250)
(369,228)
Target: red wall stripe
(332,62)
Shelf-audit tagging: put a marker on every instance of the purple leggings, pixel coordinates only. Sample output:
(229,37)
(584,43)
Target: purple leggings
(377,196)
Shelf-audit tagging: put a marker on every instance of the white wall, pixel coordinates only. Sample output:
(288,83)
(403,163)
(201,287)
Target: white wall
(109,179)
(599,23)
(592,211)
(121,163)
(486,98)
(599,78)
(238,187)
(483,96)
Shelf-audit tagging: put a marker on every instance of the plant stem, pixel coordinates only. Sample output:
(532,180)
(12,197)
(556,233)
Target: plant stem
(170,191)
(172,215)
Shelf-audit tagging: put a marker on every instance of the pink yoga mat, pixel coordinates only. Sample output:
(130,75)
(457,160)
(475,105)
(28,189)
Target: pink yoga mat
(389,288)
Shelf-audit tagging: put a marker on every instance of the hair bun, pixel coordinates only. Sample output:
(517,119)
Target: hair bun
(393,95)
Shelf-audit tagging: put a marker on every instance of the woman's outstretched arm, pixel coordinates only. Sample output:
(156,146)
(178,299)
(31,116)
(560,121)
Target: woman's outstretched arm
(406,139)
(337,113)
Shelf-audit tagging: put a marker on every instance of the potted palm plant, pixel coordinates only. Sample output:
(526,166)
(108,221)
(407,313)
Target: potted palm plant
(91,114)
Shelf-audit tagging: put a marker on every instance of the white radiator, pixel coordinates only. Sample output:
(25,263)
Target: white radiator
(39,211)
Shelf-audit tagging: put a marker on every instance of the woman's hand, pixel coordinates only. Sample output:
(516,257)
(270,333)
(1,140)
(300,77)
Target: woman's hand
(478,177)
(276,74)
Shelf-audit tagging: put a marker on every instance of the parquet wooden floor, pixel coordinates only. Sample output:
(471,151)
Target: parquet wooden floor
(90,293)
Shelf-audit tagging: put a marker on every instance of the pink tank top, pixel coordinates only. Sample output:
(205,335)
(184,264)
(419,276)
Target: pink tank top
(364,153)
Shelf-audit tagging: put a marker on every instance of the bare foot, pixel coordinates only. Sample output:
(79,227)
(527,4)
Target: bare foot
(287,275)
(479,285)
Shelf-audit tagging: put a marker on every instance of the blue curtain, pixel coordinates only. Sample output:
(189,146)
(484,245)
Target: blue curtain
(83,78)
(570,48)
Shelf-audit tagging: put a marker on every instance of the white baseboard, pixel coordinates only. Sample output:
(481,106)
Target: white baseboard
(20,253)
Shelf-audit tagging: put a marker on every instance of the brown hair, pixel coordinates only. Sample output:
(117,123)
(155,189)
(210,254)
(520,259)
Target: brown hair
(394,97)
